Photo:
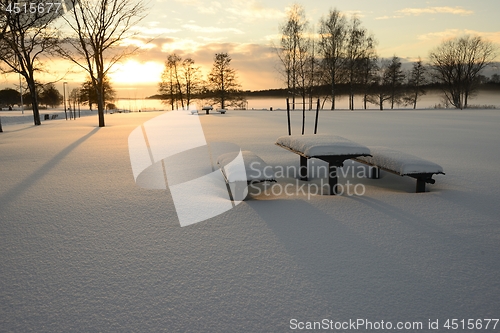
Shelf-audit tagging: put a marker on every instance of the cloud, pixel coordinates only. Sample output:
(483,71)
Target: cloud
(453,33)
(182,46)
(199,29)
(436,10)
(356,13)
(152,30)
(388,17)
(203,7)
(253,10)
(255,63)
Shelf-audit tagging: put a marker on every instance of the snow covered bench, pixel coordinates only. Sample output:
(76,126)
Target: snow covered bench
(330,148)
(222,111)
(401,164)
(242,169)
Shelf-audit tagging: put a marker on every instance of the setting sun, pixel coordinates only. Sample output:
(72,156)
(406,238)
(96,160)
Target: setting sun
(134,72)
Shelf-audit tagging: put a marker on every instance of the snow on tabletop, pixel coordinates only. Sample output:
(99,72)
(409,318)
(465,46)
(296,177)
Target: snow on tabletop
(401,162)
(255,168)
(322,144)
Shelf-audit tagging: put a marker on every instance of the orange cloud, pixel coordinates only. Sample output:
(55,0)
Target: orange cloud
(436,10)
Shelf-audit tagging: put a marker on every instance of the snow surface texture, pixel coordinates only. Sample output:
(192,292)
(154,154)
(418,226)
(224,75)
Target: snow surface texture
(321,145)
(255,168)
(400,162)
(84,249)
(171,148)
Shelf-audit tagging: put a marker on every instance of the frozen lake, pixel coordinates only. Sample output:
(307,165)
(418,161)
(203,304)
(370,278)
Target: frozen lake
(84,249)
(427,101)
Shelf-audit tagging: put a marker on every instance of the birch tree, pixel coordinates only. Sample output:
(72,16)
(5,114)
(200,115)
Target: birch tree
(333,31)
(416,80)
(292,48)
(359,47)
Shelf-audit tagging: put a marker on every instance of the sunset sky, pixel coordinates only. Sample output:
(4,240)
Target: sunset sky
(247,29)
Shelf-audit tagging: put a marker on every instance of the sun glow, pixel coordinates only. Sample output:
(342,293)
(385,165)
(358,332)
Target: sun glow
(134,72)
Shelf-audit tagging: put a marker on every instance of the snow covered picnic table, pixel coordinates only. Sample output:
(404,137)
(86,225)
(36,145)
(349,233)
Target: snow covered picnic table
(207,108)
(332,149)
(335,150)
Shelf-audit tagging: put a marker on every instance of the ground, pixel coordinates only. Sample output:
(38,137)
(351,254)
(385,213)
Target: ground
(83,248)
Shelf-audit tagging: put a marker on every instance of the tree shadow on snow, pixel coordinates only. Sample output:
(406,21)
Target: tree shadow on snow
(32,179)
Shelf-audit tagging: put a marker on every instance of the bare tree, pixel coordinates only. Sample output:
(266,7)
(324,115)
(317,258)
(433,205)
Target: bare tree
(191,79)
(394,78)
(98,29)
(416,80)
(169,85)
(180,81)
(292,48)
(368,68)
(25,36)
(174,62)
(333,30)
(457,64)
(380,92)
(223,81)
(360,45)
(87,93)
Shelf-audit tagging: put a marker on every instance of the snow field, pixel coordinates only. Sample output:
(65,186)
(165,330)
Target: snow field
(83,248)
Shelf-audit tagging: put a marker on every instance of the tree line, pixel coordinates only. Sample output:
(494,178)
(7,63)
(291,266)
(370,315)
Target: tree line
(182,82)
(49,95)
(341,57)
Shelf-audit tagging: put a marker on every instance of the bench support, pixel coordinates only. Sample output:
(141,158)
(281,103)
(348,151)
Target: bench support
(420,186)
(374,172)
(422,179)
(333,163)
(332,179)
(303,168)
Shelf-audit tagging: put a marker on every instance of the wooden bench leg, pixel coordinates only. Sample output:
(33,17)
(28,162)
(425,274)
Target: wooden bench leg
(374,172)
(303,168)
(420,185)
(332,179)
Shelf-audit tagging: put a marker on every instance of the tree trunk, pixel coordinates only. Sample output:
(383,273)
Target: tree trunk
(333,95)
(34,101)
(100,102)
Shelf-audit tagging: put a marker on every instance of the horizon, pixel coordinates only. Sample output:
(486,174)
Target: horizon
(246,31)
